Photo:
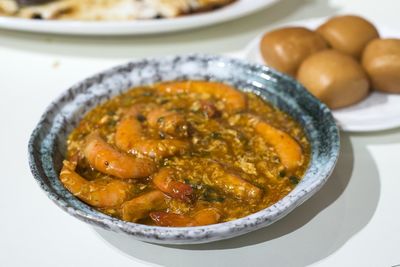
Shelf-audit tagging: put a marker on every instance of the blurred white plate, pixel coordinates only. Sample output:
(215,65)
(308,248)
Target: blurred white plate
(377,112)
(134,27)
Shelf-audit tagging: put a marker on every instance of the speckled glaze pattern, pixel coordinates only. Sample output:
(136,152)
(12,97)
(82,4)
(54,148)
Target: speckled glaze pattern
(47,144)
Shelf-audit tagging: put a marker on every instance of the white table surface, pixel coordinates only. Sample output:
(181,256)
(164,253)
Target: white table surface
(353,221)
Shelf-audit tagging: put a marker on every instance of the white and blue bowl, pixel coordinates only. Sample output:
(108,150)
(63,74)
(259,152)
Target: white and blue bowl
(47,145)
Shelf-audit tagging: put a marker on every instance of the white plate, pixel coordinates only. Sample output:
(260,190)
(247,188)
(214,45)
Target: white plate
(134,27)
(377,112)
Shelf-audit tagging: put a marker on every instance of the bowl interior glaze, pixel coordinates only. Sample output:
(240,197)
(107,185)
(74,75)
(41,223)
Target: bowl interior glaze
(47,145)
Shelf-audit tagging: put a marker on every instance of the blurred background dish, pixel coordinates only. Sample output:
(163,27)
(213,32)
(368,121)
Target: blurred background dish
(232,11)
(105,10)
(377,112)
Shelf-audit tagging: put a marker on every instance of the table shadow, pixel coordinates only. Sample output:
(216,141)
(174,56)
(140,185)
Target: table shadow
(310,233)
(215,38)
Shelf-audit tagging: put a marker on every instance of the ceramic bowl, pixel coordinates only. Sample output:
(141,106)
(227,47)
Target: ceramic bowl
(47,144)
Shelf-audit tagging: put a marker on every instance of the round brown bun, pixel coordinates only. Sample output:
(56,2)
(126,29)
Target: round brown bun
(284,49)
(381,60)
(335,78)
(348,34)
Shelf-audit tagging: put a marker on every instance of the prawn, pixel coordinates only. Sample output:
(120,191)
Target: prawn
(104,158)
(209,109)
(94,193)
(163,180)
(288,150)
(239,188)
(235,100)
(203,217)
(139,207)
(129,137)
(169,122)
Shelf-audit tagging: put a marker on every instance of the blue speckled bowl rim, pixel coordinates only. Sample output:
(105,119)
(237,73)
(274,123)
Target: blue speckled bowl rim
(201,234)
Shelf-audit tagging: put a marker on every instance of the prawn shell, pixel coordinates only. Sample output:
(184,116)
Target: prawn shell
(164,181)
(169,122)
(235,100)
(94,193)
(289,151)
(104,158)
(203,217)
(162,218)
(238,187)
(129,137)
(139,207)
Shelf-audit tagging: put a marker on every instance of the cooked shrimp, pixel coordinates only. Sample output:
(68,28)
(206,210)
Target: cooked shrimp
(139,207)
(95,193)
(289,151)
(162,218)
(209,109)
(164,181)
(207,216)
(169,122)
(235,100)
(202,217)
(160,148)
(129,137)
(104,158)
(239,188)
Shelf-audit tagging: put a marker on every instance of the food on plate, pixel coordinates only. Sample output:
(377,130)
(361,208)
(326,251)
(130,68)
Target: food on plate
(381,60)
(32,2)
(349,34)
(105,9)
(184,153)
(336,78)
(284,49)
(320,59)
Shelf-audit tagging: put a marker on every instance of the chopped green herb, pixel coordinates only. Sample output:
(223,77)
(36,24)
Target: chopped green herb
(162,135)
(160,120)
(193,184)
(112,123)
(148,93)
(141,118)
(127,101)
(294,180)
(215,135)
(212,195)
